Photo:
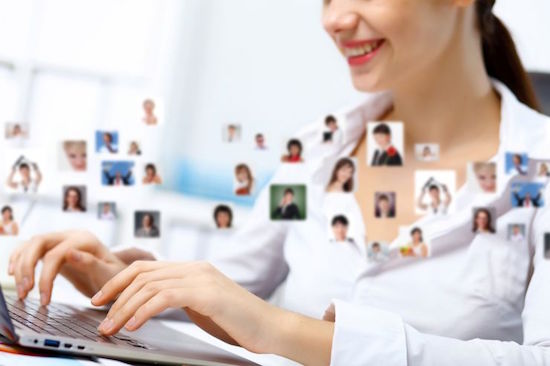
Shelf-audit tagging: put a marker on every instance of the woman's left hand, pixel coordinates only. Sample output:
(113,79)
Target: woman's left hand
(212,301)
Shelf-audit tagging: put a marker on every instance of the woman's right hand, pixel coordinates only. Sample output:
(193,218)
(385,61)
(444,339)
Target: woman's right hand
(78,255)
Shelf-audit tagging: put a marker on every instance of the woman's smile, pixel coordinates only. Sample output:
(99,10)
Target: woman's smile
(360,52)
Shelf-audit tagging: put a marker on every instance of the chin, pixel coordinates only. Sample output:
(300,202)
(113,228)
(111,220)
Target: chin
(367,83)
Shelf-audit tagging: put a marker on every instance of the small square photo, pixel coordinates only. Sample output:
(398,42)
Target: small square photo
(516,233)
(288,202)
(385,143)
(232,133)
(147,224)
(74,198)
(73,156)
(117,173)
(426,152)
(106,211)
(527,194)
(517,163)
(484,220)
(106,142)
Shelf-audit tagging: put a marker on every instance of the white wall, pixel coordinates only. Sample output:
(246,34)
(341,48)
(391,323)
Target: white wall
(269,65)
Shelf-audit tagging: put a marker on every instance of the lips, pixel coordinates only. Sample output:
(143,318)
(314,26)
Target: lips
(360,52)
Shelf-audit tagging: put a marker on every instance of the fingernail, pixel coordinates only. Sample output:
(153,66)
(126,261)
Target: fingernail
(20,291)
(106,325)
(131,323)
(76,256)
(11,268)
(26,282)
(97,296)
(43,298)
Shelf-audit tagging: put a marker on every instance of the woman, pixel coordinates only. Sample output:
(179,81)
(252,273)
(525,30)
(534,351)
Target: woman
(244,181)
(417,247)
(28,182)
(72,201)
(134,148)
(486,175)
(483,222)
(151,176)
(543,170)
(342,177)
(150,119)
(294,148)
(437,206)
(75,152)
(8,226)
(147,228)
(467,305)
(223,217)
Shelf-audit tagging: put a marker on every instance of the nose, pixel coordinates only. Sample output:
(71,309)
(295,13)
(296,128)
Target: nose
(339,18)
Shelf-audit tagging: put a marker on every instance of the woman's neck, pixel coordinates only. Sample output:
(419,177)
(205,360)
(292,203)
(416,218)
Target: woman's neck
(446,104)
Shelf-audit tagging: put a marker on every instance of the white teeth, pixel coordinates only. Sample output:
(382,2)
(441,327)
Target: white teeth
(360,51)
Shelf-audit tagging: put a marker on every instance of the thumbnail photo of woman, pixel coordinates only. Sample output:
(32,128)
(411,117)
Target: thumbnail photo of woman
(223,217)
(151,175)
(343,177)
(484,220)
(25,176)
(73,156)
(294,151)
(74,199)
(244,181)
(146,224)
(8,226)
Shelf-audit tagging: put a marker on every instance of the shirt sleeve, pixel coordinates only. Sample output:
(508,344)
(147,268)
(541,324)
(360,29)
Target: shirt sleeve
(369,336)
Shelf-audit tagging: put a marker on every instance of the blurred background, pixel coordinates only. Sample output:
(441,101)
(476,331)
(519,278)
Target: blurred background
(71,67)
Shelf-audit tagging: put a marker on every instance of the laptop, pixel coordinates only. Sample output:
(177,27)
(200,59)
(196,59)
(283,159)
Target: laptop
(72,330)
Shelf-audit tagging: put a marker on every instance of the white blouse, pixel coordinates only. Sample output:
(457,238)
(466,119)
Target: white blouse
(477,300)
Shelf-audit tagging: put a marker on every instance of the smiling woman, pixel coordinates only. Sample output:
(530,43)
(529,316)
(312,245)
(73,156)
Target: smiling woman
(477,300)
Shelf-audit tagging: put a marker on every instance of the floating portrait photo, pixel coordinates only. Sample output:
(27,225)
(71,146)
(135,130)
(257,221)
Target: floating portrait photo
(343,178)
(340,230)
(516,233)
(117,173)
(74,199)
(517,163)
(16,134)
(134,148)
(527,194)
(543,170)
(385,205)
(151,111)
(72,156)
(484,220)
(106,142)
(417,246)
(151,175)
(482,177)
(294,151)
(434,191)
(332,132)
(378,251)
(223,217)
(288,202)
(8,221)
(232,133)
(385,144)
(147,224)
(426,152)
(244,183)
(24,174)
(106,211)
(260,142)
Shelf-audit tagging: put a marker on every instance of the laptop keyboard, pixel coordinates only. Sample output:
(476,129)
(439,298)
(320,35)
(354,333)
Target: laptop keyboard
(62,320)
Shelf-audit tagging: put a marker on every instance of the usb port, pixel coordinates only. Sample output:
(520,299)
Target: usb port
(51,343)
(80,347)
(68,345)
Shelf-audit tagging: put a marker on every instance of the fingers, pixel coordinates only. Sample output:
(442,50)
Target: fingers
(122,280)
(330,314)
(126,312)
(51,265)
(165,299)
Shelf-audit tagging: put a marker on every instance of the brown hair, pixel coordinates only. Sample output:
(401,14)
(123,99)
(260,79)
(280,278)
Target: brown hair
(348,185)
(501,57)
(243,167)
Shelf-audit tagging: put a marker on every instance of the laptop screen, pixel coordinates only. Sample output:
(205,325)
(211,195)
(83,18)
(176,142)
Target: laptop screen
(6,326)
